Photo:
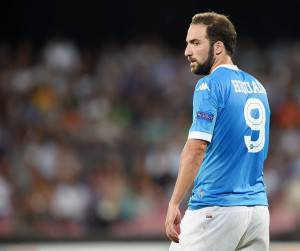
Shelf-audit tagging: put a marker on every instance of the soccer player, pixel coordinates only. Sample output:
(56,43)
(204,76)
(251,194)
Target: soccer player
(225,150)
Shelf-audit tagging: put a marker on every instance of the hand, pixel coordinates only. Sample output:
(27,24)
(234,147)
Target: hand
(172,223)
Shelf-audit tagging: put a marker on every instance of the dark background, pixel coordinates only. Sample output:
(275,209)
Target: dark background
(94,23)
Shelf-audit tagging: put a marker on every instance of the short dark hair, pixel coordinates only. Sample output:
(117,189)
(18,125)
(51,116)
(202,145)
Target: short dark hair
(219,28)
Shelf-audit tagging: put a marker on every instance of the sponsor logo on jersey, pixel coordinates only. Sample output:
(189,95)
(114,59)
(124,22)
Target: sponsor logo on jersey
(206,116)
(203,87)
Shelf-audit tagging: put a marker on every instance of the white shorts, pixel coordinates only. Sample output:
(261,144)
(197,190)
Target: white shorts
(224,229)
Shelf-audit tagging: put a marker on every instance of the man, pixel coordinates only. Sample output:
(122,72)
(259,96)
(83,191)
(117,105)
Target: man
(225,151)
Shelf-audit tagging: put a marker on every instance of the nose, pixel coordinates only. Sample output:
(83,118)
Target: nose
(188,51)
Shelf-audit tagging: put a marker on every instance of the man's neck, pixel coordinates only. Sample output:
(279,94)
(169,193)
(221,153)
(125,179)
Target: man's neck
(223,60)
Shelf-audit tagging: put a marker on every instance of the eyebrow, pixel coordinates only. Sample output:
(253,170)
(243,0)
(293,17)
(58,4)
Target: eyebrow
(193,40)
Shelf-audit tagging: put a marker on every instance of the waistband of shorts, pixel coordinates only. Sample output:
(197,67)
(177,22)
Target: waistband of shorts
(219,206)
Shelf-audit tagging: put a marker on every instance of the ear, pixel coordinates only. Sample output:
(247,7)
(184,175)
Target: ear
(219,47)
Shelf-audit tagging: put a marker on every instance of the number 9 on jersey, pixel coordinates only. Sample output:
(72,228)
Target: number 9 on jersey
(255,117)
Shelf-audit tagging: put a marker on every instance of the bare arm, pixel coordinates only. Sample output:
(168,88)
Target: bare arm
(191,158)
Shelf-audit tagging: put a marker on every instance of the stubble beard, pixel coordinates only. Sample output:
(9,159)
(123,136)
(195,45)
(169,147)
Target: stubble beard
(205,67)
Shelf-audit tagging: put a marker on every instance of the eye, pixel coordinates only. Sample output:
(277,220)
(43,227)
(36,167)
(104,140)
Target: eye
(196,43)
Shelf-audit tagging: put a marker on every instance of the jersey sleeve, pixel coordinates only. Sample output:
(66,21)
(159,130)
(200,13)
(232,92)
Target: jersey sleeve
(205,111)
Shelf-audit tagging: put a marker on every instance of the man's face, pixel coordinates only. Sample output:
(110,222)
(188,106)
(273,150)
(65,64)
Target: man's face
(198,51)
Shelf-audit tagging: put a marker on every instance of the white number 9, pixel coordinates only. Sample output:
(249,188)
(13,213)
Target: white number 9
(255,123)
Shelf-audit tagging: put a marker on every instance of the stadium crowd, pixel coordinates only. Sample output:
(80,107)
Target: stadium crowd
(90,139)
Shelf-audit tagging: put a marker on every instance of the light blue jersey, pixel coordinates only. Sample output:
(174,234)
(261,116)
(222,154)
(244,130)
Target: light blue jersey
(231,111)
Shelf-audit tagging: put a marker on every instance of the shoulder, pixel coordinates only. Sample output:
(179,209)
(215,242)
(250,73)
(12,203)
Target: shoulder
(222,73)
(203,84)
(254,82)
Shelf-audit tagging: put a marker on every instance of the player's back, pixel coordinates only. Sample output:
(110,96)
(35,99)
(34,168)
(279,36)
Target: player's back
(232,170)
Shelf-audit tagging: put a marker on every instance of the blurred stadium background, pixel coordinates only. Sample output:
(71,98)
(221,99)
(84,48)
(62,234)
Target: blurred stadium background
(95,102)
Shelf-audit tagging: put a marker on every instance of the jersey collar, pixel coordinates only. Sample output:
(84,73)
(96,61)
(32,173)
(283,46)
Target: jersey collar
(229,66)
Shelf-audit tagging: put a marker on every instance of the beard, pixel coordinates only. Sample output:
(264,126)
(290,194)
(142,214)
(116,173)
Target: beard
(205,67)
